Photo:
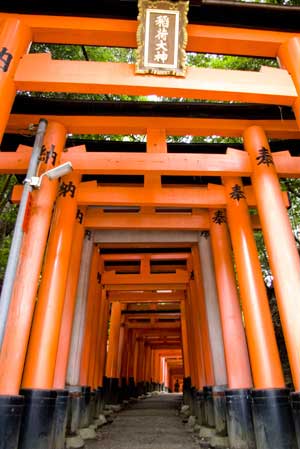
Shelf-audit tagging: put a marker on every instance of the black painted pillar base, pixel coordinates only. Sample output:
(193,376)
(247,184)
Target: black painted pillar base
(272,419)
(193,401)
(220,410)
(124,396)
(92,410)
(85,407)
(105,390)
(239,419)
(141,388)
(38,419)
(60,419)
(113,390)
(131,388)
(209,414)
(11,410)
(295,403)
(199,407)
(73,420)
(99,401)
(187,384)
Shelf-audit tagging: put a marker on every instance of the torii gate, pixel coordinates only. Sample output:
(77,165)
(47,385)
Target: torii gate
(28,357)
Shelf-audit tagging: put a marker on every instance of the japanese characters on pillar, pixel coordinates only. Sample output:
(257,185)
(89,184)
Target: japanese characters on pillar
(5,59)
(162,37)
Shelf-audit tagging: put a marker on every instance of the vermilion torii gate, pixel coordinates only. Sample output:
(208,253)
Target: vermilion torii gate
(168,295)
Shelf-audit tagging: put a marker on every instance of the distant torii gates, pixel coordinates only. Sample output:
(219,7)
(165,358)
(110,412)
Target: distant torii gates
(64,295)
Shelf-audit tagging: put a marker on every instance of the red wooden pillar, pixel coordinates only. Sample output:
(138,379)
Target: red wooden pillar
(114,335)
(280,243)
(235,345)
(263,351)
(206,346)
(69,304)
(23,299)
(101,338)
(42,350)
(90,313)
(184,338)
(15,38)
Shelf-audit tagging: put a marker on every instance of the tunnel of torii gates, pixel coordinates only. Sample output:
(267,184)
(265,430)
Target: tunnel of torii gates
(125,281)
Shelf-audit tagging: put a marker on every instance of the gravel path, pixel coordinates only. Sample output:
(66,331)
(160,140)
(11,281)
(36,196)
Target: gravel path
(152,423)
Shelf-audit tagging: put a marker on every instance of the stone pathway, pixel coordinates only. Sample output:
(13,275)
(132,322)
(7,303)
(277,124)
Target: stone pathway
(152,423)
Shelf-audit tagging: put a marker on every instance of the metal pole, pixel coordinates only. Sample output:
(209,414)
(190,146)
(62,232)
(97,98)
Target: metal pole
(16,243)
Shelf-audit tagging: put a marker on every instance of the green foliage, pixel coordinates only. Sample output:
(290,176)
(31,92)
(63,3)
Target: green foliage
(8,213)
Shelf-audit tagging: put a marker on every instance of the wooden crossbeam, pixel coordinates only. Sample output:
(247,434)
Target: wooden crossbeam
(111,278)
(194,197)
(198,221)
(159,325)
(122,33)
(279,129)
(146,297)
(38,72)
(233,163)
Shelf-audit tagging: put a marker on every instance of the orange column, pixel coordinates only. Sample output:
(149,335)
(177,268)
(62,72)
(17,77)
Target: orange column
(43,344)
(125,353)
(184,337)
(147,376)
(113,346)
(14,347)
(130,359)
(103,339)
(208,363)
(280,243)
(95,325)
(192,346)
(235,345)
(90,312)
(263,351)
(15,38)
(289,57)
(101,335)
(140,360)
(69,304)
(198,355)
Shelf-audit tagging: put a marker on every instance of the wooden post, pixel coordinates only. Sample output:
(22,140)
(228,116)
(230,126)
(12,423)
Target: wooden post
(212,311)
(263,351)
(42,350)
(73,373)
(205,339)
(235,345)
(184,337)
(113,346)
(198,355)
(92,300)
(14,345)
(280,243)
(15,38)
(69,305)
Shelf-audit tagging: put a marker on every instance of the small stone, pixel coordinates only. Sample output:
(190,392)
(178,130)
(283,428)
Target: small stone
(184,408)
(207,432)
(191,422)
(219,442)
(74,442)
(101,421)
(197,428)
(116,408)
(108,412)
(87,433)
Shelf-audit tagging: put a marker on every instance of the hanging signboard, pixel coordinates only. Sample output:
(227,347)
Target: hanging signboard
(162,37)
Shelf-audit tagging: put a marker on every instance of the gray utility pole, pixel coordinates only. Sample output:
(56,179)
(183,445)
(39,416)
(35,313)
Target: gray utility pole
(16,243)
